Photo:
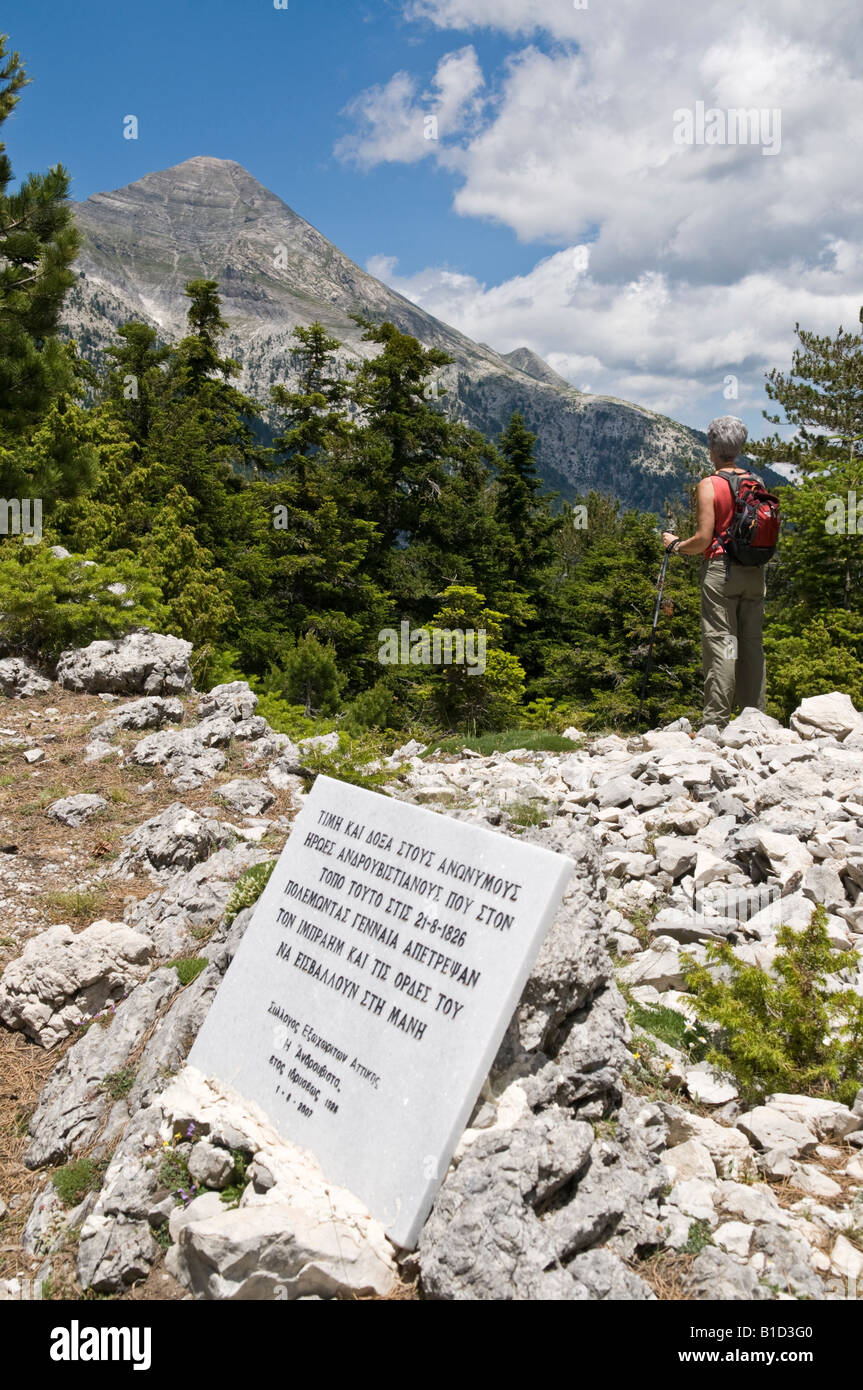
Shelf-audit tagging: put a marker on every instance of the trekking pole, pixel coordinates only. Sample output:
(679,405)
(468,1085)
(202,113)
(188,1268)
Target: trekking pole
(660,586)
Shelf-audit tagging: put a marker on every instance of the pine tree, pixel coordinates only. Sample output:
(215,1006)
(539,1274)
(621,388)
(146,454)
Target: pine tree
(814,635)
(314,410)
(821,564)
(40,377)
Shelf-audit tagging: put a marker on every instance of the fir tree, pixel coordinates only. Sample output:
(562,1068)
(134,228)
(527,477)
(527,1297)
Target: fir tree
(40,377)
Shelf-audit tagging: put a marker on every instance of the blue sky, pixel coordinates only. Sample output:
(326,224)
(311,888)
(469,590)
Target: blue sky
(241,80)
(563,203)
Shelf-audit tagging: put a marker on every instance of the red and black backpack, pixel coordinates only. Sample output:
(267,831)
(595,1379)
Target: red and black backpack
(752,533)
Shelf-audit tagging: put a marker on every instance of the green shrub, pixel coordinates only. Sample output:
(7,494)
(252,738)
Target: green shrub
(248,888)
(699,1237)
(353,761)
(75,1180)
(505,741)
(547,713)
(118,1084)
(373,709)
(47,605)
(188,967)
(807,659)
(174,1173)
(785,1030)
(311,677)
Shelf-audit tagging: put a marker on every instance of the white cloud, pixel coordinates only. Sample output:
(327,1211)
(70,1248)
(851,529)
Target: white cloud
(560,18)
(684,263)
(395,124)
(668,348)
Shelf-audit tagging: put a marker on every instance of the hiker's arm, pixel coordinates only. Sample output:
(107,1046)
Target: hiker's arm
(697,544)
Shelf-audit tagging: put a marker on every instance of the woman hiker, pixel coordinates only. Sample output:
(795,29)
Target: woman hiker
(732,595)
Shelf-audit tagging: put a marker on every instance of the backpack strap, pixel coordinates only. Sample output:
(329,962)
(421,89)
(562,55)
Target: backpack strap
(732,479)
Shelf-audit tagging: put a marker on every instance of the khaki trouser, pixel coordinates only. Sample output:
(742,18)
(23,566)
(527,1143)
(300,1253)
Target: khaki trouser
(732,654)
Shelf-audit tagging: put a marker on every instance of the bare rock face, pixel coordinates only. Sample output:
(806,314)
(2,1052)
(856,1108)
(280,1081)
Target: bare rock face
(143,663)
(74,1102)
(61,979)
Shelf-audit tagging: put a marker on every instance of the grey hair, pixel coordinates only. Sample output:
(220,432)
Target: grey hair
(727,436)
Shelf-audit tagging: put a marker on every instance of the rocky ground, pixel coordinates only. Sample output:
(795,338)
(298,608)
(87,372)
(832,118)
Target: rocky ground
(600,1162)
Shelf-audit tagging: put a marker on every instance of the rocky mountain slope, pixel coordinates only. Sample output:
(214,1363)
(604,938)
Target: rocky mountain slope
(209,217)
(600,1162)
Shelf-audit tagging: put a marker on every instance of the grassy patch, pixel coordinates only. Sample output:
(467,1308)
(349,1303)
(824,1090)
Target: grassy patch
(118,1084)
(670,1027)
(77,903)
(44,798)
(75,1180)
(188,967)
(524,814)
(533,740)
(639,920)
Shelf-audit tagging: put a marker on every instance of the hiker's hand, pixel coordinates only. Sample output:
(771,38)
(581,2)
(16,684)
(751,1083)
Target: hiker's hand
(668,538)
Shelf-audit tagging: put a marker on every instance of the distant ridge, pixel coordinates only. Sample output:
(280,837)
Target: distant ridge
(210,217)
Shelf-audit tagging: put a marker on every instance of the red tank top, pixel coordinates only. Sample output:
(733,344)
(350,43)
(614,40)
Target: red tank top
(723,510)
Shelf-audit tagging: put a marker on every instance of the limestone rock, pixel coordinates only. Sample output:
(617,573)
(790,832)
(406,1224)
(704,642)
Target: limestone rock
(74,1100)
(75,810)
(19,681)
(210,1165)
(734,1237)
(248,797)
(605,1276)
(61,978)
(827,714)
(280,1251)
(807,1178)
(770,1128)
(846,1260)
(716,1275)
(150,713)
(113,1254)
(708,1087)
(730,1150)
(828,1119)
(176,839)
(689,1160)
(142,663)
(660,966)
(236,700)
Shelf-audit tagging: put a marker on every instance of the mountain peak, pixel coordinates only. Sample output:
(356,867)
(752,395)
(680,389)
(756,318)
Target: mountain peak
(528,361)
(203,178)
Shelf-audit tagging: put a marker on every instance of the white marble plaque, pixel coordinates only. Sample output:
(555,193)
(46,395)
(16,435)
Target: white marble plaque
(374,984)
